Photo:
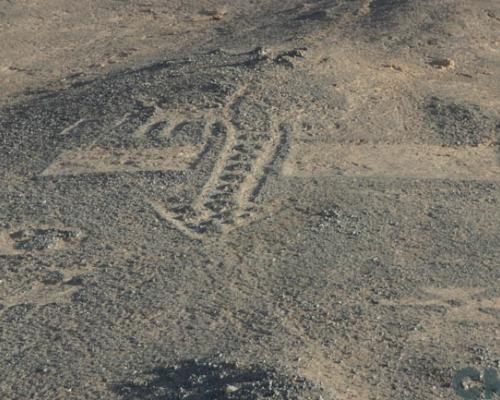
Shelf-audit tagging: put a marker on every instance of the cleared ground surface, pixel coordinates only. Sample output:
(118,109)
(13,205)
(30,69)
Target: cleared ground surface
(248,200)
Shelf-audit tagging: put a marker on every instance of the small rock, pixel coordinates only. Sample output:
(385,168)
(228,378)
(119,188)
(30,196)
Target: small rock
(443,63)
(75,281)
(394,67)
(53,277)
(231,389)
(216,14)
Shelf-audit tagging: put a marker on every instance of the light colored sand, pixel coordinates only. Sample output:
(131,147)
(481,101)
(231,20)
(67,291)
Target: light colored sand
(98,160)
(388,160)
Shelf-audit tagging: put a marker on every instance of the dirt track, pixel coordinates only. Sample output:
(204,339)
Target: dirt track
(248,200)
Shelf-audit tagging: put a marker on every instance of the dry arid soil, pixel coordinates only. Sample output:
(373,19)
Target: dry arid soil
(249,199)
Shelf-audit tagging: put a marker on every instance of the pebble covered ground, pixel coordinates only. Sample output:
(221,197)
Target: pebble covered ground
(262,200)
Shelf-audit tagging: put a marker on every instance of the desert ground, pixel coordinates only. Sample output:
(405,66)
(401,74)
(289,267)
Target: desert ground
(249,200)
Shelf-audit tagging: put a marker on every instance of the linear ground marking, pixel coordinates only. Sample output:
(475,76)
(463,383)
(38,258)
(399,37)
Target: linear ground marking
(68,129)
(103,160)
(417,161)
(169,217)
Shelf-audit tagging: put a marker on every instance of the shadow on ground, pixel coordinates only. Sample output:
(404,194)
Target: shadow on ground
(205,380)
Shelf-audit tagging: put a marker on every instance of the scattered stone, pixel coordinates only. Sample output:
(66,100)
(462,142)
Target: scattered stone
(443,63)
(461,124)
(41,239)
(297,52)
(75,281)
(214,379)
(231,389)
(53,278)
(393,67)
(286,58)
(216,14)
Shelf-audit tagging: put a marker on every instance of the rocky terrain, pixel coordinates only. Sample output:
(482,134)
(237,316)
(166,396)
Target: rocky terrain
(249,200)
